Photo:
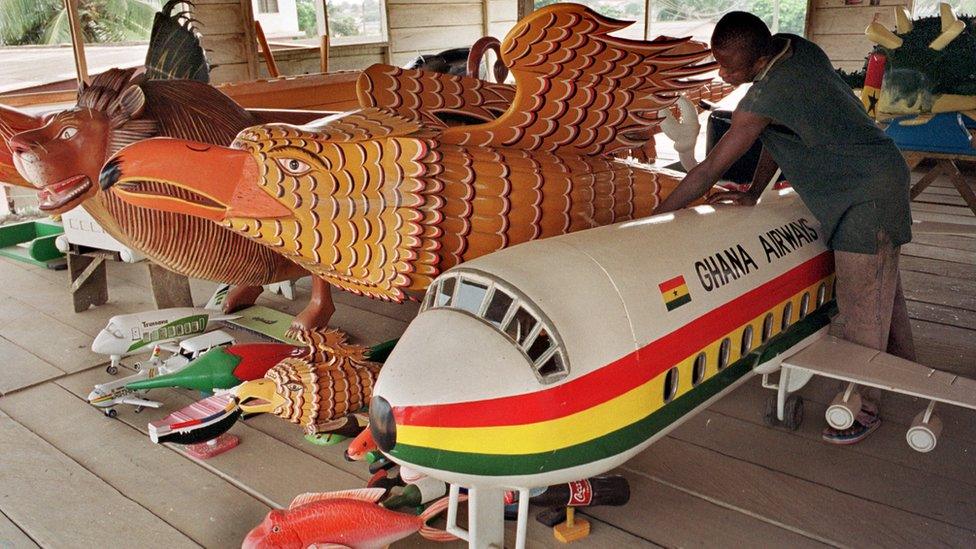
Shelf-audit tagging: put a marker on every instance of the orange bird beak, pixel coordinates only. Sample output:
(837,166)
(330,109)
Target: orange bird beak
(221,182)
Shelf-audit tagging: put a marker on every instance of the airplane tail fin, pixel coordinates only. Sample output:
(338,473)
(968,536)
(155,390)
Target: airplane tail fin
(216,302)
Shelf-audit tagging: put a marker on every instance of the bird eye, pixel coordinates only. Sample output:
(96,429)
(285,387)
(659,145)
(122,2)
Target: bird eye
(276,528)
(68,133)
(294,386)
(293,166)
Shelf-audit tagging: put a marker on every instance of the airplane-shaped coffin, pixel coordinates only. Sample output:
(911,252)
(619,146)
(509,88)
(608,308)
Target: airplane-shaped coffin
(560,359)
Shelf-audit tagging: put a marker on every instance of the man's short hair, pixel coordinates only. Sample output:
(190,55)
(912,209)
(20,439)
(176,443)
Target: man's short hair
(742,30)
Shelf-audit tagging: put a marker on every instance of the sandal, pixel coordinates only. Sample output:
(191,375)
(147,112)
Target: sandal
(867,422)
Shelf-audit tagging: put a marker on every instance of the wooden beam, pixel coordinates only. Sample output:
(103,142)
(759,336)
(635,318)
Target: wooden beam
(266,50)
(77,41)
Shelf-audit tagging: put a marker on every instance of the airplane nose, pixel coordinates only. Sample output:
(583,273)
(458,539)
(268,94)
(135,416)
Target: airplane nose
(381,423)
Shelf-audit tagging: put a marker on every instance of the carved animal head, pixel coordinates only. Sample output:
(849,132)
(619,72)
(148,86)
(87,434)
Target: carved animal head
(313,394)
(63,157)
(339,197)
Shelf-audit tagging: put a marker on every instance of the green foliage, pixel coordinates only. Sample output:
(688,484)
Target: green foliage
(306,17)
(46,21)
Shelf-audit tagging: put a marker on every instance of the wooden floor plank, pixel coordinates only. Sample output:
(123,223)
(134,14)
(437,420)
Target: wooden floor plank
(52,298)
(926,265)
(205,507)
(958,211)
(673,518)
(782,498)
(906,488)
(941,314)
(938,252)
(940,290)
(950,459)
(293,470)
(58,503)
(20,368)
(12,537)
(946,241)
(53,341)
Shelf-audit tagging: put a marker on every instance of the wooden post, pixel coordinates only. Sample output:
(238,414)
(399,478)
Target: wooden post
(77,41)
(324,54)
(89,282)
(169,289)
(266,50)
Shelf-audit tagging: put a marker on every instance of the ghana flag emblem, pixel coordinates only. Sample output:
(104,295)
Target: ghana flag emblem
(674,292)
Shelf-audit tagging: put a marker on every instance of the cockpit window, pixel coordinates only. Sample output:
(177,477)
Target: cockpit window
(498,307)
(506,310)
(114,330)
(445,292)
(470,295)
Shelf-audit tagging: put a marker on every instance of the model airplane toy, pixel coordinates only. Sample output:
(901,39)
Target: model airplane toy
(122,391)
(135,333)
(588,352)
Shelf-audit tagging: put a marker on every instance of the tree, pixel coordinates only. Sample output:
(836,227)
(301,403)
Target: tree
(46,21)
(306,17)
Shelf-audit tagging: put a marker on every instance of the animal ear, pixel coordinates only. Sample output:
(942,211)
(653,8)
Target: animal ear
(128,105)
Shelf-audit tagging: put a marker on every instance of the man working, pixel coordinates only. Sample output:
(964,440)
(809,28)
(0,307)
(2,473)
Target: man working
(846,170)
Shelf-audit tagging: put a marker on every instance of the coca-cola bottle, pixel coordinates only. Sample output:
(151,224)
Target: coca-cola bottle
(605,490)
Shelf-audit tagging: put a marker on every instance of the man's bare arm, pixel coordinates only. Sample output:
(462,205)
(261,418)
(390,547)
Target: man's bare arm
(743,132)
(765,170)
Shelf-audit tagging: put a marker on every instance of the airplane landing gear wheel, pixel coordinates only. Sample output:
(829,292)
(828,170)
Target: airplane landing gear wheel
(793,412)
(769,412)
(138,409)
(111,412)
(111,369)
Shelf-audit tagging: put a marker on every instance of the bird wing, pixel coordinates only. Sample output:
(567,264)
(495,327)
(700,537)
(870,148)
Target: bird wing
(580,90)
(438,100)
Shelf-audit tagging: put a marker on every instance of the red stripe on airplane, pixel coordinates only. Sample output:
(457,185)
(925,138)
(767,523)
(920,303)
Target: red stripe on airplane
(625,373)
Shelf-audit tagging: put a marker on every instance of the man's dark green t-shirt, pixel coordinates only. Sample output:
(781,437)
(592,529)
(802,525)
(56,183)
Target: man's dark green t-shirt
(846,170)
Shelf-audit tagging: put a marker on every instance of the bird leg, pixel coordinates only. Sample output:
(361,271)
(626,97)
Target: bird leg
(319,310)
(241,297)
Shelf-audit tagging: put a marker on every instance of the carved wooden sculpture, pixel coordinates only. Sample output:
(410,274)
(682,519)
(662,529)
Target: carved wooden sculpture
(63,153)
(379,201)
(315,392)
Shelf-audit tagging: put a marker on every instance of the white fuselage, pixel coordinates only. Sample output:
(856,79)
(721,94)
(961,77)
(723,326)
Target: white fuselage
(560,359)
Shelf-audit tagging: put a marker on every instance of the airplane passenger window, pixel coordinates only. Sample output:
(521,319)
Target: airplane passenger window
(723,353)
(804,304)
(767,327)
(521,324)
(698,371)
(445,292)
(787,316)
(470,295)
(135,333)
(539,346)
(746,341)
(497,307)
(821,294)
(670,384)
(180,330)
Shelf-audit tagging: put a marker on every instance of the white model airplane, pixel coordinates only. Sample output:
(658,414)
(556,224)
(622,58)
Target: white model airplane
(560,359)
(139,332)
(108,395)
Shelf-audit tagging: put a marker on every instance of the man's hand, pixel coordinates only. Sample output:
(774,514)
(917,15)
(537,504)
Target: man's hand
(738,198)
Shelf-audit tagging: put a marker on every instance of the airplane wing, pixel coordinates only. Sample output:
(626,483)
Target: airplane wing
(136,401)
(839,359)
(170,346)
